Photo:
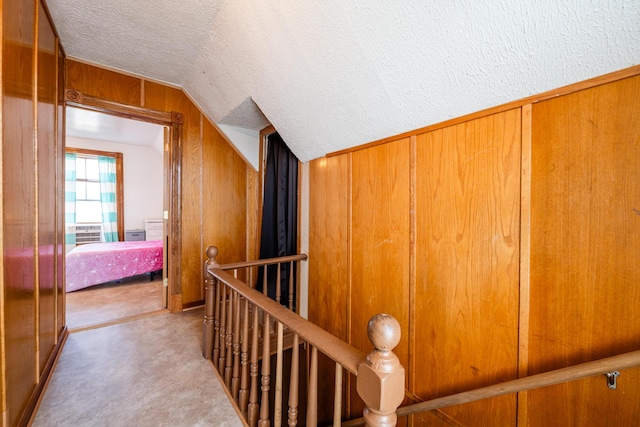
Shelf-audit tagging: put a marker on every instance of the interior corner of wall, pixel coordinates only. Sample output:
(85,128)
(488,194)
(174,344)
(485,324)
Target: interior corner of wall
(246,141)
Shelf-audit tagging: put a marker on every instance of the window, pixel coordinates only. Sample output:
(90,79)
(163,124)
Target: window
(94,192)
(87,189)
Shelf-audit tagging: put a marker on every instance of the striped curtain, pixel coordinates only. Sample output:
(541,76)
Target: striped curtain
(70,198)
(107,168)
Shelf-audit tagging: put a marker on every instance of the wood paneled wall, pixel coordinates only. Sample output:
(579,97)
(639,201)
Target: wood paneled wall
(585,251)
(216,182)
(31,230)
(506,244)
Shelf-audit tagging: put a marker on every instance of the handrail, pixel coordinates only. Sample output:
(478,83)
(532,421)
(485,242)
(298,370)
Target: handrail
(262,262)
(572,373)
(345,354)
(232,331)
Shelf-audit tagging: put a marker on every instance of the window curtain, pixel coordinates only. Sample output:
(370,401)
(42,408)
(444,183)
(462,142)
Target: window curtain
(279,215)
(107,169)
(70,198)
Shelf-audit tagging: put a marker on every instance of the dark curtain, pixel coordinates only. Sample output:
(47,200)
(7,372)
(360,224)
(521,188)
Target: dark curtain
(279,215)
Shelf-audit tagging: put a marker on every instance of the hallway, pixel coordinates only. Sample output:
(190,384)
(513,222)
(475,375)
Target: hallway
(145,372)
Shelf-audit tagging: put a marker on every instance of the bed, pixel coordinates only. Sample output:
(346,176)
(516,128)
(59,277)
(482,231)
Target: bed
(96,263)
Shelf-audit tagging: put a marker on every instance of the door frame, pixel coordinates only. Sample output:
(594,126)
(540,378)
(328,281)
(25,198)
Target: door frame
(172,214)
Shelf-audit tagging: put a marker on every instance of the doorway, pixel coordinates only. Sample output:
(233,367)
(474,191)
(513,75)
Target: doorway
(114,271)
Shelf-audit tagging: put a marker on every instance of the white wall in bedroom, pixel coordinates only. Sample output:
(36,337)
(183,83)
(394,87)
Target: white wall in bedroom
(143,178)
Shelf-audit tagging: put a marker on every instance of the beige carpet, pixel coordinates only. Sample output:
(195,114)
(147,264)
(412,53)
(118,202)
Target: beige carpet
(112,301)
(146,372)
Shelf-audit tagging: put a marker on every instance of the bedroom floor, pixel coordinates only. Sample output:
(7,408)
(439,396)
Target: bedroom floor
(143,372)
(114,301)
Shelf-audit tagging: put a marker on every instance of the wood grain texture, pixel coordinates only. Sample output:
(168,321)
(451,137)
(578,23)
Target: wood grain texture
(467,249)
(18,184)
(103,83)
(46,173)
(164,98)
(587,402)
(380,245)
(328,264)
(192,278)
(60,229)
(253,207)
(328,244)
(224,197)
(585,248)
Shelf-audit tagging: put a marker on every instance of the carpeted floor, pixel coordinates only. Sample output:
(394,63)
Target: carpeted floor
(145,372)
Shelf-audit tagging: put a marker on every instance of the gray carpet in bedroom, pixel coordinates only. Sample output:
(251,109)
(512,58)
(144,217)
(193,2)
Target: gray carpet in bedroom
(146,372)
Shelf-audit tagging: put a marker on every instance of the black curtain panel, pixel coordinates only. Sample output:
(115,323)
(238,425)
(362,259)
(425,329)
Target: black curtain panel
(279,215)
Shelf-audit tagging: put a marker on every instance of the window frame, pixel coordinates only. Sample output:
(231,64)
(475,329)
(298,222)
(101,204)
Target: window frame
(119,180)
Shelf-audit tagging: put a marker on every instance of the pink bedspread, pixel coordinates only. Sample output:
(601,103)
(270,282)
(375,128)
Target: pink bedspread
(96,263)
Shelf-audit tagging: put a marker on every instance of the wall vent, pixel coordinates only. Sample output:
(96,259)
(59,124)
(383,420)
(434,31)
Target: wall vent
(88,233)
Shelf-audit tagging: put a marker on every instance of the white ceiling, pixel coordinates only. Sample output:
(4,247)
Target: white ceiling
(333,74)
(88,124)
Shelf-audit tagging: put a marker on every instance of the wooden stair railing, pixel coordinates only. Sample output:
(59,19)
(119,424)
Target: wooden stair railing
(237,316)
(558,376)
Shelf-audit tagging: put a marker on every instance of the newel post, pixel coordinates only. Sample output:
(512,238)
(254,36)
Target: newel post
(209,300)
(380,380)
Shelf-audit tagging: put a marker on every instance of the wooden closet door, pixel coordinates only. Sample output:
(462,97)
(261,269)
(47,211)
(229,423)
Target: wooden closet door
(585,252)
(467,265)
(47,165)
(19,367)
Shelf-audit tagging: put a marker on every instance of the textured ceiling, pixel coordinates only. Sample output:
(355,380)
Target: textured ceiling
(332,74)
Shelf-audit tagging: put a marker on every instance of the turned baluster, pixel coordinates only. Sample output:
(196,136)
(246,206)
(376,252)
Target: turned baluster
(266,374)
(255,355)
(208,330)
(235,377)
(291,284)
(312,397)
(380,380)
(243,394)
(278,284)
(277,411)
(229,362)
(337,396)
(223,329)
(265,281)
(216,323)
(293,382)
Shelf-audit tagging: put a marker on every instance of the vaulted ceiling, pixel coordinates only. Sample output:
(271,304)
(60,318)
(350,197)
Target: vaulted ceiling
(334,74)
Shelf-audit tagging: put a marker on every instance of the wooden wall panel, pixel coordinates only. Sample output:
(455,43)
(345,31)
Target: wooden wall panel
(192,279)
(468,198)
(328,244)
(19,208)
(329,283)
(103,83)
(224,211)
(46,154)
(380,240)
(380,244)
(165,98)
(585,247)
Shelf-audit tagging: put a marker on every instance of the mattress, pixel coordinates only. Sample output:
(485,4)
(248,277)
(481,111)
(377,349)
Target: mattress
(96,263)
